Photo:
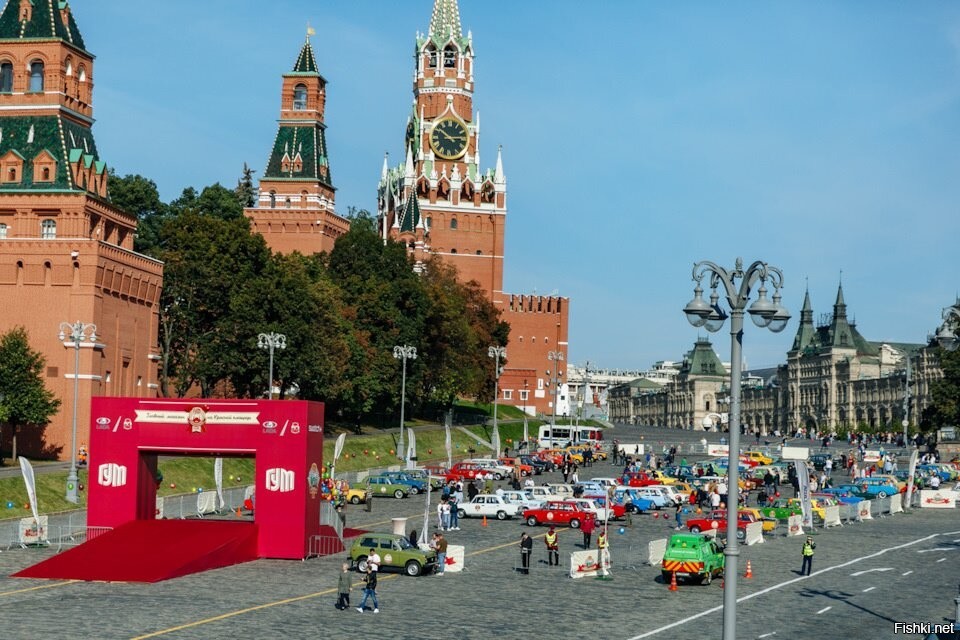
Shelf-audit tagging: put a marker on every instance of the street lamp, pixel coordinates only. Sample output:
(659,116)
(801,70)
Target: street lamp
(496,352)
(404,353)
(946,335)
(271,341)
(77,332)
(554,357)
(764,313)
(585,391)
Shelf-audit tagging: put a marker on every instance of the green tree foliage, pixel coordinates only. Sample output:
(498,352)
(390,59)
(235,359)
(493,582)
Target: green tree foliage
(27,403)
(945,393)
(215,201)
(139,196)
(246,191)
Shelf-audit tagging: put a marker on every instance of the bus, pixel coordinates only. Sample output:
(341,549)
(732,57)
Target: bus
(564,435)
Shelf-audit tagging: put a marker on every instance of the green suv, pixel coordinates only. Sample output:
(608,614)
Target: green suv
(692,555)
(395,552)
(386,487)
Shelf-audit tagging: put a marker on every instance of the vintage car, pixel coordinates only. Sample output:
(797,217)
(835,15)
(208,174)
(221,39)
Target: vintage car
(718,520)
(543,493)
(385,487)
(523,498)
(637,479)
(661,477)
(819,460)
(632,500)
(757,457)
(685,473)
(845,493)
(782,508)
(516,463)
(877,487)
(539,464)
(489,505)
(657,495)
(562,490)
(395,552)
(769,524)
(356,495)
(600,513)
(435,478)
(493,466)
(606,481)
(415,485)
(692,556)
(557,512)
(464,471)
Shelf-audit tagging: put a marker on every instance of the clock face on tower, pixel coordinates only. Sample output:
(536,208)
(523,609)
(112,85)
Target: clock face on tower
(449,138)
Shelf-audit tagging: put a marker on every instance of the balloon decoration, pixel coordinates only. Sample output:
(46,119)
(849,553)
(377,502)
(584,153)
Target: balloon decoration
(656,515)
(9,505)
(621,531)
(332,490)
(173,485)
(366,452)
(430,451)
(392,452)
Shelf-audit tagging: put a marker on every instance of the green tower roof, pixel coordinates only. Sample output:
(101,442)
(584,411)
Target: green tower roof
(445,21)
(46,22)
(304,146)
(306,61)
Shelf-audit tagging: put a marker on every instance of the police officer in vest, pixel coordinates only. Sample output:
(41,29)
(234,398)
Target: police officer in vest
(807,553)
(604,557)
(553,547)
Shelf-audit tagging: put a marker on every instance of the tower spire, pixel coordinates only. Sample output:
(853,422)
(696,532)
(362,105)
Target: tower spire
(498,176)
(445,21)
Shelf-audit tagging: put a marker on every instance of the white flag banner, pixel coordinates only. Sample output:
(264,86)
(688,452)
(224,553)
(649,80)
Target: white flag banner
(27,470)
(218,480)
(449,447)
(526,429)
(424,536)
(913,469)
(803,482)
(337,450)
(411,449)
(496,441)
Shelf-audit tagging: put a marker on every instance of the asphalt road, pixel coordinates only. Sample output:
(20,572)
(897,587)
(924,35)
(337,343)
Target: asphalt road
(867,577)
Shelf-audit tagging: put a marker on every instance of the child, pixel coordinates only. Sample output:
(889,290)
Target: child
(343,588)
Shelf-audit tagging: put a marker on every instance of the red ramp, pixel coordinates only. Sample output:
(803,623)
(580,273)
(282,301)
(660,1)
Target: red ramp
(151,551)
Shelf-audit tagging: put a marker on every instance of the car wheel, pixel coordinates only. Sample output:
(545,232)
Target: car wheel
(574,524)
(501,515)
(461,513)
(531,521)
(666,575)
(414,491)
(355,500)
(882,494)
(498,476)
(398,494)
(362,564)
(523,474)
(707,578)
(694,529)
(413,568)
(741,534)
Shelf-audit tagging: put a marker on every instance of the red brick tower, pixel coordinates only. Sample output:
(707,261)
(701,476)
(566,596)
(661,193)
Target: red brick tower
(441,202)
(295,209)
(66,253)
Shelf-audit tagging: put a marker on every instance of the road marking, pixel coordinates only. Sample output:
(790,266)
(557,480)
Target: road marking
(824,610)
(860,573)
(783,584)
(268,605)
(936,549)
(767,635)
(906,573)
(43,586)
(941,559)
(868,589)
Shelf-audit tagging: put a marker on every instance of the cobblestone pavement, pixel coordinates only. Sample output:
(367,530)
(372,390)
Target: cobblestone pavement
(867,577)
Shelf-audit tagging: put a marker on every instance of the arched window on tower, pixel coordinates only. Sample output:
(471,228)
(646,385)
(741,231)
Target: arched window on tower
(36,76)
(432,57)
(449,57)
(453,223)
(48,229)
(6,77)
(273,200)
(300,97)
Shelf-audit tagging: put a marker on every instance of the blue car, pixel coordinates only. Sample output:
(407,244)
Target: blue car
(632,499)
(843,494)
(931,469)
(398,477)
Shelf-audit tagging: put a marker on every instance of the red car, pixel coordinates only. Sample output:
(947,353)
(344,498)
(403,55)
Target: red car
(464,471)
(718,520)
(557,513)
(525,469)
(638,479)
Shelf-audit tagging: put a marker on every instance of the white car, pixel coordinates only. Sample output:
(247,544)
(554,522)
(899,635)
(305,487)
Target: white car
(488,504)
(607,482)
(543,493)
(586,504)
(490,465)
(524,498)
(671,491)
(562,490)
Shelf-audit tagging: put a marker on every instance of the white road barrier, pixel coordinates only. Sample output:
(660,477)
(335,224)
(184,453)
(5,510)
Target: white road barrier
(206,503)
(831,517)
(795,526)
(754,533)
(33,531)
(939,499)
(896,503)
(158,512)
(584,564)
(863,511)
(655,551)
(455,555)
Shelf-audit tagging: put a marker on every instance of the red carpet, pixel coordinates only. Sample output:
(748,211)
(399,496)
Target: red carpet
(152,550)
(352,533)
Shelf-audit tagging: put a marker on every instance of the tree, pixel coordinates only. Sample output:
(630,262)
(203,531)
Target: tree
(216,201)
(944,406)
(139,197)
(26,403)
(246,191)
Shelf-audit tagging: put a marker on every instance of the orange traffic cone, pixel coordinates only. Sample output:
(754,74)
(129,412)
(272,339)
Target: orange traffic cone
(239,513)
(673,581)
(749,573)
(484,523)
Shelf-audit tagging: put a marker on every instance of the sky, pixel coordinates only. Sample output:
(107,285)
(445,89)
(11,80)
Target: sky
(638,137)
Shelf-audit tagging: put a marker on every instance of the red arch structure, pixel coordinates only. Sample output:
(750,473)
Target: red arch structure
(285,437)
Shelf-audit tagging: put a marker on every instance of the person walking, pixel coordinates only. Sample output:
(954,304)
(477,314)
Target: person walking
(343,588)
(807,553)
(526,548)
(679,515)
(440,544)
(586,527)
(369,591)
(454,503)
(553,547)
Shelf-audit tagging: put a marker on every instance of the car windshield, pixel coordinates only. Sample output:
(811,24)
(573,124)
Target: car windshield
(404,543)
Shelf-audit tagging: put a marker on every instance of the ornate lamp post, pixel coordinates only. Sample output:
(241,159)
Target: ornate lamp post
(404,353)
(555,357)
(771,315)
(271,341)
(496,353)
(946,335)
(72,335)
